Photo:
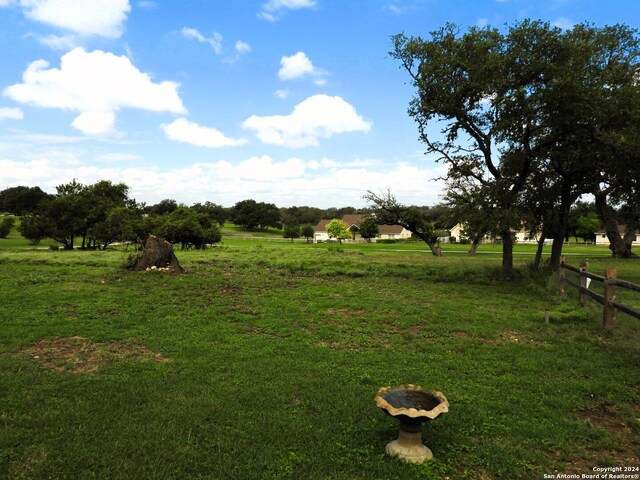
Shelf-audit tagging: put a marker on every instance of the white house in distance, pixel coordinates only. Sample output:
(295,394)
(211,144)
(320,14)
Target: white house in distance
(521,236)
(456,234)
(602,239)
(386,232)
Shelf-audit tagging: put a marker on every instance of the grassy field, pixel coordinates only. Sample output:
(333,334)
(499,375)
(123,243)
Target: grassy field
(263,359)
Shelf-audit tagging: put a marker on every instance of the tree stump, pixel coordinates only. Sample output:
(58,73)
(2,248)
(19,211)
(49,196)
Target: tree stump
(158,253)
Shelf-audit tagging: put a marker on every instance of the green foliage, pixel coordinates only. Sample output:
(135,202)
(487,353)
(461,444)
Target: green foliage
(302,215)
(33,227)
(131,261)
(291,231)
(188,228)
(6,224)
(368,228)
(77,211)
(588,225)
(387,210)
(163,207)
(215,213)
(339,230)
(120,224)
(490,92)
(307,232)
(21,200)
(251,214)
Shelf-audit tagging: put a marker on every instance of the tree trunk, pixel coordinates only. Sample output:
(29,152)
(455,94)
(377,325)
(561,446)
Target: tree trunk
(474,244)
(566,200)
(507,254)
(556,250)
(538,257)
(616,243)
(630,235)
(435,248)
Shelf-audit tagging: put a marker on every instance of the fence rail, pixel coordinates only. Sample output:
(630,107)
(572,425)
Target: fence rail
(608,297)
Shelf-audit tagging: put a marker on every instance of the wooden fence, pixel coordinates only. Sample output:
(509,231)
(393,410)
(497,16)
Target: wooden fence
(608,298)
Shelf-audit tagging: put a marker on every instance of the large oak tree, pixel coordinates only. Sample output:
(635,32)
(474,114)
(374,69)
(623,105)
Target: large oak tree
(528,119)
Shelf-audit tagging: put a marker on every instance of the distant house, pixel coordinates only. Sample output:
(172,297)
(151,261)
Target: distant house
(393,232)
(521,236)
(457,235)
(602,239)
(386,232)
(524,236)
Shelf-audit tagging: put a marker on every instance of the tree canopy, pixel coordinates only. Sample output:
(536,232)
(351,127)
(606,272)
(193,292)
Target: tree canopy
(255,215)
(369,228)
(339,230)
(20,200)
(527,120)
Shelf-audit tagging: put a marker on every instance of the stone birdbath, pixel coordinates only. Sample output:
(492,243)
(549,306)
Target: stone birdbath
(412,406)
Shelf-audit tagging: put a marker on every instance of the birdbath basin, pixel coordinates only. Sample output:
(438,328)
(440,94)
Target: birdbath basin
(412,406)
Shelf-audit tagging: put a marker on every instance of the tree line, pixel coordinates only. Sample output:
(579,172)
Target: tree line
(101,214)
(97,215)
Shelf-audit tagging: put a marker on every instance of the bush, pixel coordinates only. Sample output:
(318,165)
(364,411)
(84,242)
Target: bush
(6,224)
(131,261)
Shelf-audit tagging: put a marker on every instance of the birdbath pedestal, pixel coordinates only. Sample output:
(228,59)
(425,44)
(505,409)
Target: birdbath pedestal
(412,406)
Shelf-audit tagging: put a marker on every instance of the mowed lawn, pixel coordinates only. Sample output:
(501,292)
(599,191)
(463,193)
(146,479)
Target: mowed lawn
(263,359)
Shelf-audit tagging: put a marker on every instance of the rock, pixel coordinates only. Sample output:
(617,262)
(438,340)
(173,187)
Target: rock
(158,253)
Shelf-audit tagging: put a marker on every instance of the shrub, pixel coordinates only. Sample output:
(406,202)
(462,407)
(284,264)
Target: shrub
(6,224)
(131,261)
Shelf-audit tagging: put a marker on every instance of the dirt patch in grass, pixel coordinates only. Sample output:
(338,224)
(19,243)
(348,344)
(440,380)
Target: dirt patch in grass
(622,426)
(345,312)
(506,337)
(82,356)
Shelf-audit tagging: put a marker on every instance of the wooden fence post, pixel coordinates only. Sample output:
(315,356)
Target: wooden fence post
(609,312)
(584,283)
(561,273)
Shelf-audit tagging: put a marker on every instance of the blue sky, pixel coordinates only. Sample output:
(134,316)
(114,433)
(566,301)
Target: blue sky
(292,102)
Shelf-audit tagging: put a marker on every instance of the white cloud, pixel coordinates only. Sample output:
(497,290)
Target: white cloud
(95,123)
(116,157)
(265,169)
(299,66)
(10,113)
(282,93)
(215,41)
(295,66)
(274,9)
(147,4)
(97,84)
(405,7)
(329,163)
(102,18)
(319,116)
(182,130)
(288,181)
(59,42)
(30,173)
(242,47)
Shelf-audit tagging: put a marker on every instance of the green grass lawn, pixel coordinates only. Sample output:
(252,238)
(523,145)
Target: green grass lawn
(263,359)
